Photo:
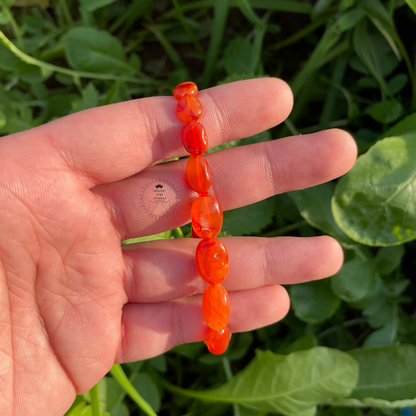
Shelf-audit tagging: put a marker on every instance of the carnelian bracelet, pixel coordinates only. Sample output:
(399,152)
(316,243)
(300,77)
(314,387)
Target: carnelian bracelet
(211,256)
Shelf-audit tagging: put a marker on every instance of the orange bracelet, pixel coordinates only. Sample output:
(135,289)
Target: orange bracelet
(211,256)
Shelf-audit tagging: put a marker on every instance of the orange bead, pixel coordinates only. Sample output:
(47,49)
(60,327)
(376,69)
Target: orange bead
(194,139)
(217,341)
(216,307)
(194,234)
(206,215)
(189,109)
(186,88)
(212,260)
(198,175)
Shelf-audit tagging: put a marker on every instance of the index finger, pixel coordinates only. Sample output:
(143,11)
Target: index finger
(109,143)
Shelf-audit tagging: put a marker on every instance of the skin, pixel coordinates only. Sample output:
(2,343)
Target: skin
(73,301)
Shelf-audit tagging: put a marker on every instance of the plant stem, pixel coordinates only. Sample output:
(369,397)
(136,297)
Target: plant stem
(218,25)
(284,230)
(47,68)
(66,12)
(13,23)
(179,231)
(346,324)
(291,127)
(119,375)
(185,25)
(95,402)
(229,375)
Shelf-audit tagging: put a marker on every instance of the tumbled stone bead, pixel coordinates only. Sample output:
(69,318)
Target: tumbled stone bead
(217,341)
(186,88)
(212,260)
(206,215)
(194,138)
(198,174)
(194,234)
(216,307)
(189,109)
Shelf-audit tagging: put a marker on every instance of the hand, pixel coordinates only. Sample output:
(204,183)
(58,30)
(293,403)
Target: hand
(73,301)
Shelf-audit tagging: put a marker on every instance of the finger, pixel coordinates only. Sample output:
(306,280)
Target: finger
(151,329)
(240,176)
(254,262)
(112,142)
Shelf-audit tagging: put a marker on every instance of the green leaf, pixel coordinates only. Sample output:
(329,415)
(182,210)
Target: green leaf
(92,5)
(148,390)
(356,277)
(313,302)
(386,111)
(93,50)
(388,259)
(397,83)
(366,46)
(328,40)
(250,219)
(3,119)
(159,362)
(89,99)
(237,57)
(411,4)
(221,8)
(387,373)
(405,126)
(375,203)
(161,236)
(383,336)
(305,342)
(287,384)
(248,12)
(349,19)
(314,204)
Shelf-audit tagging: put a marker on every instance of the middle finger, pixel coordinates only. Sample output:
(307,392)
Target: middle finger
(158,199)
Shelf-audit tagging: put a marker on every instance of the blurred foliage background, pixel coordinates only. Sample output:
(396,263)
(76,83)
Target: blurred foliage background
(347,347)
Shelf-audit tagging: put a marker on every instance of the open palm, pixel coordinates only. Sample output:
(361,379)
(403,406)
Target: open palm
(73,301)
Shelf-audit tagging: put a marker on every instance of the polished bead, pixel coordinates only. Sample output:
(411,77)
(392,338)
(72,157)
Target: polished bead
(217,341)
(206,215)
(216,307)
(186,88)
(194,138)
(212,260)
(189,109)
(198,174)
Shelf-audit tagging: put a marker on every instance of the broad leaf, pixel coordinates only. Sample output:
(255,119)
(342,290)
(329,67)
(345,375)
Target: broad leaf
(148,390)
(405,126)
(375,203)
(313,302)
(288,384)
(365,45)
(314,204)
(237,57)
(383,336)
(250,219)
(387,373)
(388,259)
(386,111)
(356,277)
(387,377)
(93,50)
